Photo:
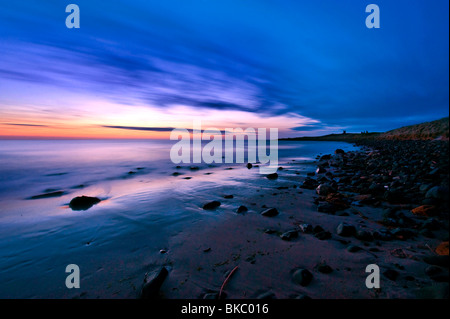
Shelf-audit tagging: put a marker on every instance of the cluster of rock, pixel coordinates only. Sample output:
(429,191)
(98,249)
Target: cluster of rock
(396,175)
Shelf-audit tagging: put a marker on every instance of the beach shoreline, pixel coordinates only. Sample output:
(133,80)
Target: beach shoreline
(267,253)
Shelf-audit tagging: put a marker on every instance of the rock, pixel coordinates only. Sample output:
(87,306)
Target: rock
(325,157)
(364,235)
(272,176)
(437,192)
(376,189)
(353,248)
(211,205)
(339,152)
(338,201)
(323,235)
(442,249)
(289,235)
(318,229)
(153,283)
(306,228)
(324,269)
(241,209)
(270,231)
(391,274)
(83,202)
(320,170)
(326,207)
(365,199)
(228,196)
(310,174)
(249,165)
(324,189)
(309,183)
(345,230)
(270,212)
(424,210)
(424,187)
(194,168)
(176,174)
(442,261)
(302,277)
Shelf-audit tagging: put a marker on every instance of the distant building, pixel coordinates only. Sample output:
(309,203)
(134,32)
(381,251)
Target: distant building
(345,132)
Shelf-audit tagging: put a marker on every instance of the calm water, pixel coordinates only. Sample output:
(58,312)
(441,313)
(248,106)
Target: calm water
(137,215)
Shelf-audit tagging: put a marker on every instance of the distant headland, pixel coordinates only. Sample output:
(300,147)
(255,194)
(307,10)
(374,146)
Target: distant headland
(438,129)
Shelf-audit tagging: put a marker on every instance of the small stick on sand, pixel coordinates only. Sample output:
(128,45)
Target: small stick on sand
(226,280)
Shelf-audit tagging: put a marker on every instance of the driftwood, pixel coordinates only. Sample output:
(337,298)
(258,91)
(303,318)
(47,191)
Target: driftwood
(226,280)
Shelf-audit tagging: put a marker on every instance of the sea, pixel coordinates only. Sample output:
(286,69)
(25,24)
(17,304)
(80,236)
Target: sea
(145,199)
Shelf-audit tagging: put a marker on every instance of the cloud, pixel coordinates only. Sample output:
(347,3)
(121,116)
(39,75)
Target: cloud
(22,124)
(226,56)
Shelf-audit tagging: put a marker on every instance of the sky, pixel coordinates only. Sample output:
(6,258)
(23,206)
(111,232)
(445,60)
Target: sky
(139,68)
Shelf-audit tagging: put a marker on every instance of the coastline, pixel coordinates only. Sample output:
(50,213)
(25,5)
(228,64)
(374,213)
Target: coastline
(202,247)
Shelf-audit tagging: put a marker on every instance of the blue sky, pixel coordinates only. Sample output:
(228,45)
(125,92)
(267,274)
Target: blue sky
(307,67)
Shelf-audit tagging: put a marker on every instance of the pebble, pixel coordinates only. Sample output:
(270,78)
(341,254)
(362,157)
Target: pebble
(302,277)
(211,205)
(345,230)
(270,212)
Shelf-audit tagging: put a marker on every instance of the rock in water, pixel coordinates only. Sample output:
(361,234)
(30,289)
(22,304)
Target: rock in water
(83,202)
(249,165)
(303,277)
(211,205)
(271,212)
(272,176)
(241,209)
(153,283)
